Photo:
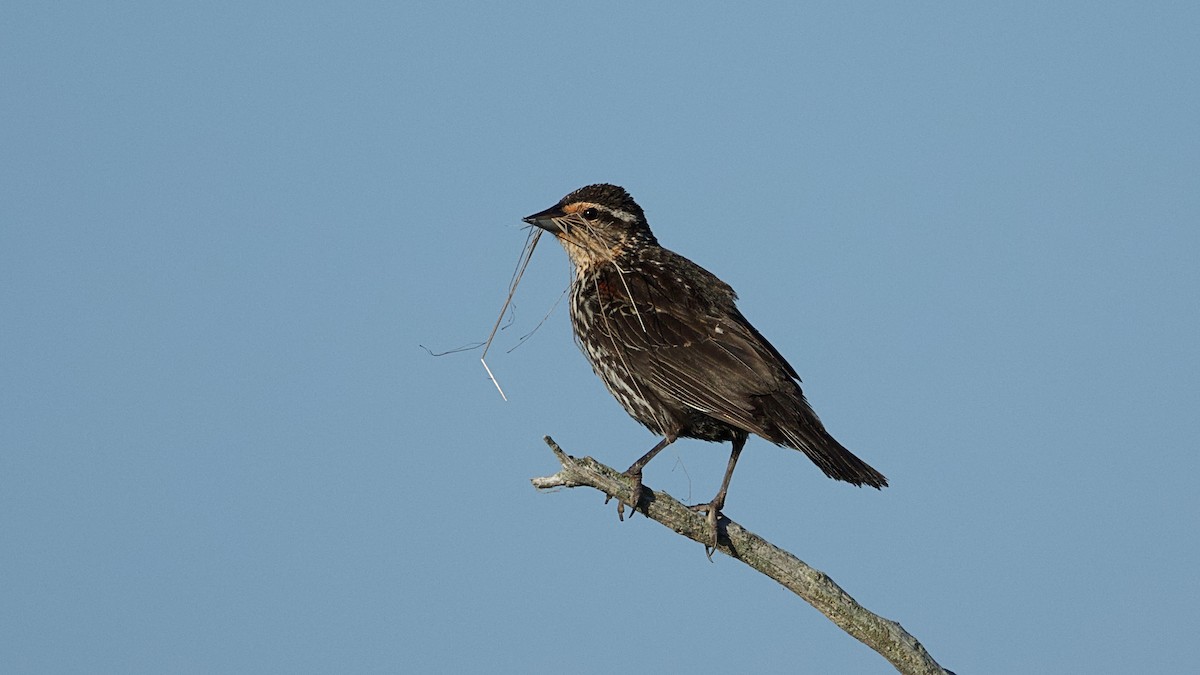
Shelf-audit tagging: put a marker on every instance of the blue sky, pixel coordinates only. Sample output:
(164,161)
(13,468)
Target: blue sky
(226,229)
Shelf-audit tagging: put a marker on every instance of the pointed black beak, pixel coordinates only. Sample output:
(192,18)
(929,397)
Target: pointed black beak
(545,219)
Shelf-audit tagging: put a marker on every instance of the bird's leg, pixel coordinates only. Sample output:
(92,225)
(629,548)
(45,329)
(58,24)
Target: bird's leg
(714,507)
(634,473)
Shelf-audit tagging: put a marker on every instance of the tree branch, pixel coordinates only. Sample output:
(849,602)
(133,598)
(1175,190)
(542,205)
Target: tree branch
(884,636)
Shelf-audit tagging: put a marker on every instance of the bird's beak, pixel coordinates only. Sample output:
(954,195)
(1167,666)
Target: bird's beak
(545,219)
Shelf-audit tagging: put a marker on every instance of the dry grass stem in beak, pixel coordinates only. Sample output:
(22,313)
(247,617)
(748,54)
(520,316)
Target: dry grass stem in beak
(531,241)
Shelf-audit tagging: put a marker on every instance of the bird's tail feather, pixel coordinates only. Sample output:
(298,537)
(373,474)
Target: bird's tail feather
(797,426)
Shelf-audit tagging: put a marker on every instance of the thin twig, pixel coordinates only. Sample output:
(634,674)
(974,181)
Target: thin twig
(883,635)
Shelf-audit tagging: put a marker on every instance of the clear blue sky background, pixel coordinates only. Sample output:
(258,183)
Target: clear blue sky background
(226,228)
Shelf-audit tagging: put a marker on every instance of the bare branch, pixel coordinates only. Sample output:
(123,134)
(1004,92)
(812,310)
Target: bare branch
(883,635)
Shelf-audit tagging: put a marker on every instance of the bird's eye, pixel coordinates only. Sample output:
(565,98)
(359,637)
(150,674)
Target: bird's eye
(590,214)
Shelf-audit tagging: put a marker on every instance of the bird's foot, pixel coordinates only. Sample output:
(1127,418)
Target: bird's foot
(713,512)
(636,495)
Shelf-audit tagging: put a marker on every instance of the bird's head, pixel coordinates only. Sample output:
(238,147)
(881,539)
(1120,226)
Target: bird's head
(596,224)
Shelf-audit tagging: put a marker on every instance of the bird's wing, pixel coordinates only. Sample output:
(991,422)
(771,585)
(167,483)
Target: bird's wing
(688,342)
(706,357)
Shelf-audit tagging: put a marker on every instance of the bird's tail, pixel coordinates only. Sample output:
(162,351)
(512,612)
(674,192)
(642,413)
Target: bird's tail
(797,426)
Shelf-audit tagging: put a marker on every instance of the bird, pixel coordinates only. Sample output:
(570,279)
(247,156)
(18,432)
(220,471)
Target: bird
(668,341)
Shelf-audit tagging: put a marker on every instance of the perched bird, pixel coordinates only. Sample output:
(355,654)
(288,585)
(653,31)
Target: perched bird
(667,339)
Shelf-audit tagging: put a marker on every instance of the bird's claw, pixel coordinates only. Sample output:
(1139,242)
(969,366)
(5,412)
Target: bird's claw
(635,497)
(712,516)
